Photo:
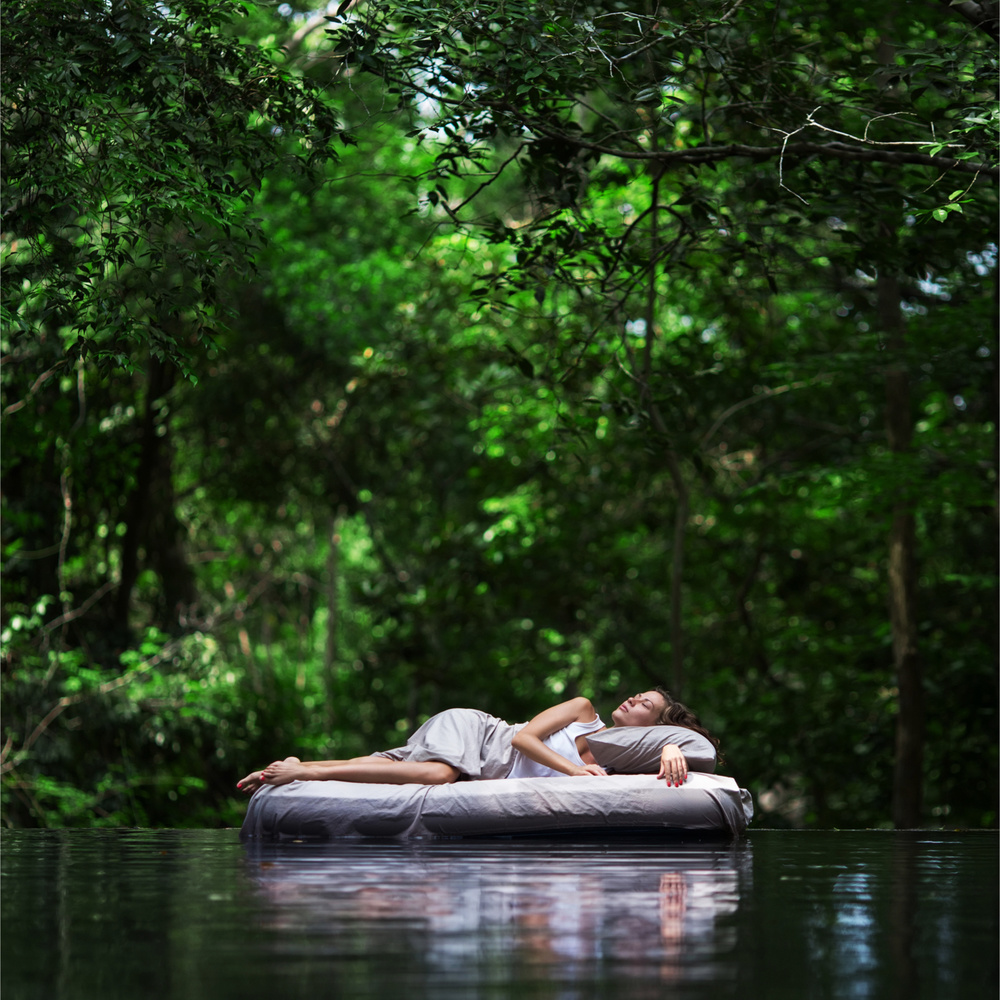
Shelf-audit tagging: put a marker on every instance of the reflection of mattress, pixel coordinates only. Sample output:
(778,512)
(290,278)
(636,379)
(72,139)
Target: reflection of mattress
(706,803)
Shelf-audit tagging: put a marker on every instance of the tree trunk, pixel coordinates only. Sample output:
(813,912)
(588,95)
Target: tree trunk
(151,521)
(676,579)
(907,793)
(332,621)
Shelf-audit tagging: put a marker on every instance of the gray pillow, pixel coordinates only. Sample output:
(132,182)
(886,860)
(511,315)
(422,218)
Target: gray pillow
(636,749)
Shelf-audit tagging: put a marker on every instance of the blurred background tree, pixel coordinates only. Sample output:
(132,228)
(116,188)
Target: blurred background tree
(368,361)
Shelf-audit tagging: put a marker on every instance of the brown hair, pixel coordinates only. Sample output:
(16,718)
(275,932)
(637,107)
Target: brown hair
(676,714)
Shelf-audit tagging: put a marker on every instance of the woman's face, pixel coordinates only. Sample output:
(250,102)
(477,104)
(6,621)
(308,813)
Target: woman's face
(640,710)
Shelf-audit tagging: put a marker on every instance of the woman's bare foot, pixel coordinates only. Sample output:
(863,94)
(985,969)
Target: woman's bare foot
(256,779)
(281,772)
(250,783)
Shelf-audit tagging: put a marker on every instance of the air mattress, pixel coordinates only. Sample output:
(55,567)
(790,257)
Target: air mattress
(323,810)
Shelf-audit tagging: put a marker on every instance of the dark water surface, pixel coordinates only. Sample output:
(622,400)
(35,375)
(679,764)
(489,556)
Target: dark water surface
(192,914)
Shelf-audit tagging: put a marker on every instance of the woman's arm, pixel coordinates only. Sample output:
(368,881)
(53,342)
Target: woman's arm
(529,739)
(673,765)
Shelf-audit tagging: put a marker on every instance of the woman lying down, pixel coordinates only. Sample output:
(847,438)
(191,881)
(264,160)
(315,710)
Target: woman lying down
(464,742)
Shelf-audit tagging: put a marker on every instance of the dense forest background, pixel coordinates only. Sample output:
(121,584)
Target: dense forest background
(368,360)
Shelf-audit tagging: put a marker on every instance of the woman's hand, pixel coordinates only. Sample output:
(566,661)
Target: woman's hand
(588,769)
(673,765)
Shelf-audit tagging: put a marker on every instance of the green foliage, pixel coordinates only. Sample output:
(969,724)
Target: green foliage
(144,727)
(130,163)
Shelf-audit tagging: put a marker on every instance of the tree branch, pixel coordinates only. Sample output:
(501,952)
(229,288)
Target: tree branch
(8,763)
(68,616)
(314,23)
(982,15)
(766,393)
(836,150)
(35,386)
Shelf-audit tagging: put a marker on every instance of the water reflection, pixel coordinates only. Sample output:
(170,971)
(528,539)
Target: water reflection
(188,915)
(880,914)
(903,873)
(517,914)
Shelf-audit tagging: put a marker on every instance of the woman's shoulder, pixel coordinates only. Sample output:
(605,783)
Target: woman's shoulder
(584,707)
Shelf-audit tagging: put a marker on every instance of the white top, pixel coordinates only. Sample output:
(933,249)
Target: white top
(563,741)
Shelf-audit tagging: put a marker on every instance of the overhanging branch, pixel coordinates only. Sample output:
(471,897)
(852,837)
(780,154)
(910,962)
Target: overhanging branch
(836,150)
(982,15)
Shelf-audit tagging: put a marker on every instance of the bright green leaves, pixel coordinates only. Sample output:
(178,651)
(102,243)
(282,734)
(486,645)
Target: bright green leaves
(953,204)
